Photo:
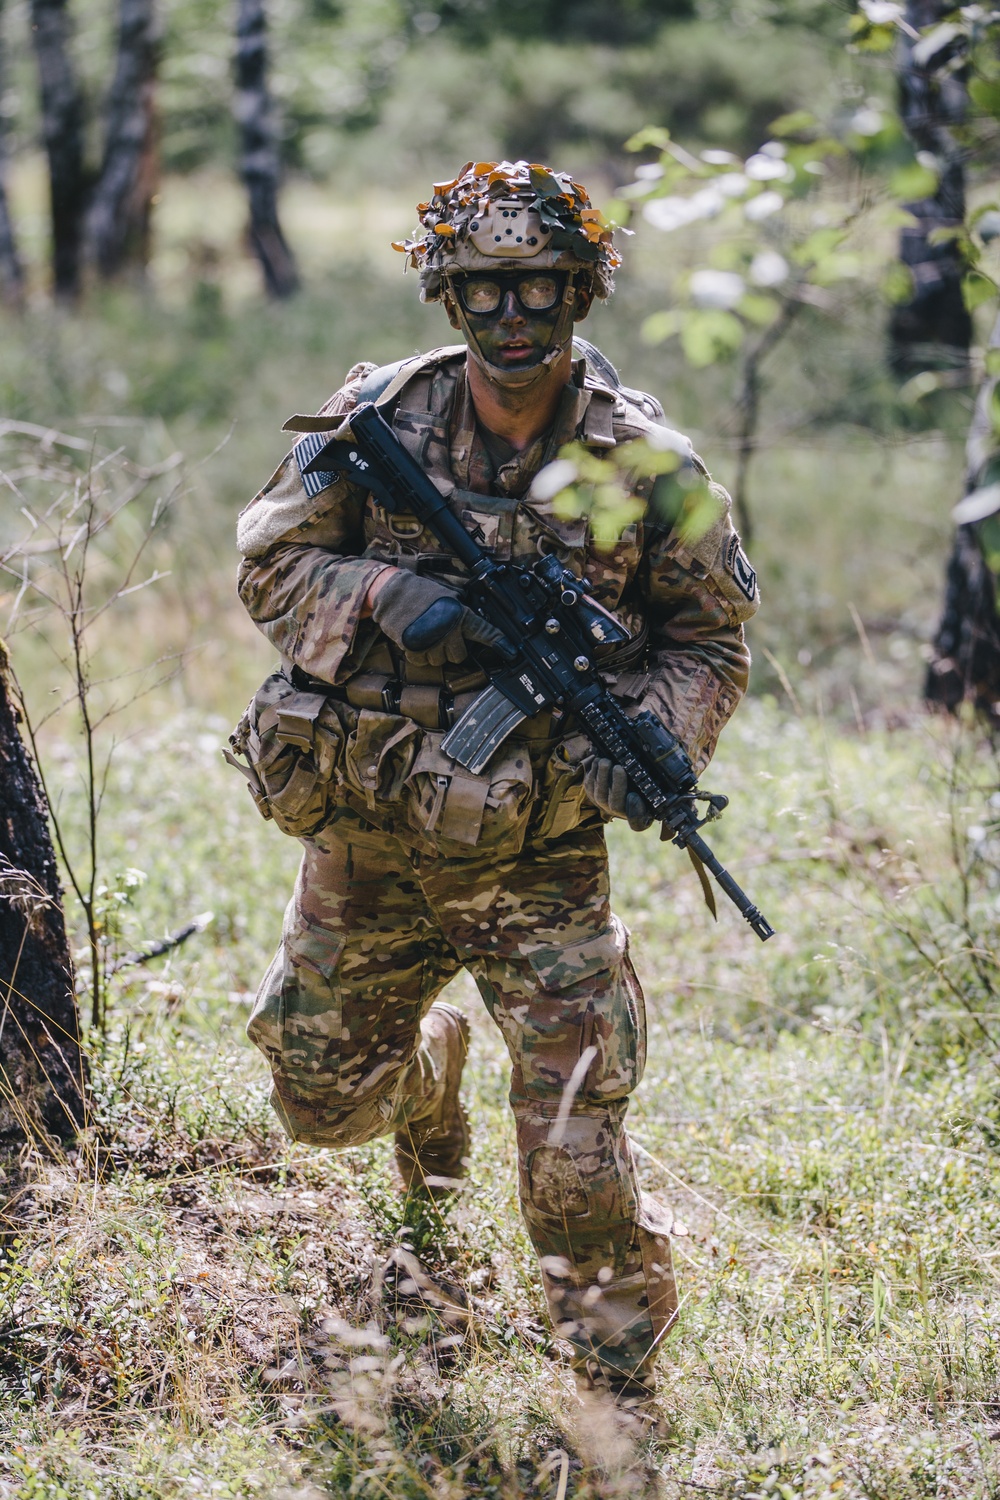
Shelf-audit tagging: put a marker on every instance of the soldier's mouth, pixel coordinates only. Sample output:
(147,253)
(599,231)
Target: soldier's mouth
(516,348)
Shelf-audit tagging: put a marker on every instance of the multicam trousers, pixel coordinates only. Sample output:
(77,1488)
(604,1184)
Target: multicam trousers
(372,934)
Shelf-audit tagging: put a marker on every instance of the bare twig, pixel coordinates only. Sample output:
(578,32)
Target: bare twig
(157,950)
(748,406)
(64,537)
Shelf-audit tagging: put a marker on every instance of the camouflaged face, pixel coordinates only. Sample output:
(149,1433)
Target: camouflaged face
(371,936)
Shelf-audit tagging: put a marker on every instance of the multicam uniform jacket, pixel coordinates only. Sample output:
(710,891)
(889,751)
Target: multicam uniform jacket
(312,550)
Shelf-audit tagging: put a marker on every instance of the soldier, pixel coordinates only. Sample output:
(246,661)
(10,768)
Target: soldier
(412,867)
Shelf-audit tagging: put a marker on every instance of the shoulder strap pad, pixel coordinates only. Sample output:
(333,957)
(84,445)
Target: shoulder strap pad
(600,366)
(376,380)
(381,384)
(376,385)
(597,363)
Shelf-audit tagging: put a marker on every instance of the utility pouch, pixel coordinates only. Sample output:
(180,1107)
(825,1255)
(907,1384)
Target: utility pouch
(563,802)
(293,743)
(380,752)
(460,814)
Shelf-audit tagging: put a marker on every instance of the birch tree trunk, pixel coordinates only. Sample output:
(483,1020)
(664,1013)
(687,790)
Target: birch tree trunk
(118,217)
(62,133)
(259,156)
(43,1077)
(965,659)
(933,327)
(11,269)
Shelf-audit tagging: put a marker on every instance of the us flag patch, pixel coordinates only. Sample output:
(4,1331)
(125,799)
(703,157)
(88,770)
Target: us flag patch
(305,451)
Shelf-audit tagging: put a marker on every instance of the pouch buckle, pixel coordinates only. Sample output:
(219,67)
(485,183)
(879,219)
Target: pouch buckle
(296,719)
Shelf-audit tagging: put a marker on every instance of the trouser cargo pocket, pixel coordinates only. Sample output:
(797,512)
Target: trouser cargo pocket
(297,1020)
(591,1019)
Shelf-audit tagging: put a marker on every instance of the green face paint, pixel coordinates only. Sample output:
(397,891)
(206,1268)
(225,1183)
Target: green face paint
(514,337)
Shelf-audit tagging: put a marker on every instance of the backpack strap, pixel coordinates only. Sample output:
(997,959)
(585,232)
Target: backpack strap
(382,384)
(599,365)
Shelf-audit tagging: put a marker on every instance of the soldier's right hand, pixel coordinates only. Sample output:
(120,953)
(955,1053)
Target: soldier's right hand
(426,619)
(606,784)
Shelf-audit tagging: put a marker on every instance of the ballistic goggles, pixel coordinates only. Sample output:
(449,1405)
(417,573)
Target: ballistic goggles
(538,291)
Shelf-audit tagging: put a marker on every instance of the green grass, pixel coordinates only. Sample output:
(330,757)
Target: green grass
(195,1307)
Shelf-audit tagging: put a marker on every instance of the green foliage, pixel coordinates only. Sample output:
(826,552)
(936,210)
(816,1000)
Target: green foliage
(869,35)
(372,89)
(766,247)
(581,483)
(977,289)
(612,22)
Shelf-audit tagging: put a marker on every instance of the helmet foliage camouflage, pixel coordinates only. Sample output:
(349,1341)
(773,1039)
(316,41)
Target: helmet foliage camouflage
(499,215)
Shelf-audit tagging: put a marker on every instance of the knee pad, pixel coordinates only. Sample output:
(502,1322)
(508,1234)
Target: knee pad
(577,1171)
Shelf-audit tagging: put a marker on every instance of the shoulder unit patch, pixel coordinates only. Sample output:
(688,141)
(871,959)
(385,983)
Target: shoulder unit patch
(738,564)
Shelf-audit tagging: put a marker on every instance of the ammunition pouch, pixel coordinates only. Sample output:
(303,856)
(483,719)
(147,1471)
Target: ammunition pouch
(306,753)
(373,745)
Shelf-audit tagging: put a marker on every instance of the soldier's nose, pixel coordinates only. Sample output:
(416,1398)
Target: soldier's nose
(510,311)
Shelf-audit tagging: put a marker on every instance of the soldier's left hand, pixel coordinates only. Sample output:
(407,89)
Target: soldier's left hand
(606,784)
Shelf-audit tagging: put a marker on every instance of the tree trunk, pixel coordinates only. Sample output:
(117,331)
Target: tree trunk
(259,158)
(932,327)
(62,132)
(43,1076)
(11,269)
(120,206)
(965,659)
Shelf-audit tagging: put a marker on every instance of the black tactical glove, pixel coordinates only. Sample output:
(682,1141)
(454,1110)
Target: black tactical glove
(606,784)
(427,620)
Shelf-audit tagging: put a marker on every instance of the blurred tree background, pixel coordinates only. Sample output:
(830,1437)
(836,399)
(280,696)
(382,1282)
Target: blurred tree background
(194,239)
(196,208)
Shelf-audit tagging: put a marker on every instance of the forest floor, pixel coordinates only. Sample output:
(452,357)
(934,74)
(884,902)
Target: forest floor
(194,1307)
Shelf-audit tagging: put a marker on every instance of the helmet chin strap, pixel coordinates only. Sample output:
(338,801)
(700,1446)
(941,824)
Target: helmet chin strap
(519,380)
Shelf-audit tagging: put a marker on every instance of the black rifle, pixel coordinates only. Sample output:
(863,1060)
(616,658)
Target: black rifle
(550,631)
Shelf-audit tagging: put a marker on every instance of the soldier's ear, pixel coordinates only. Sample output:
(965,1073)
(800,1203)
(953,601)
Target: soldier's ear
(584,300)
(449,307)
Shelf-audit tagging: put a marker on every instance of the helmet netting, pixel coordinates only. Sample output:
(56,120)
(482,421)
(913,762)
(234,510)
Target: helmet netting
(577,236)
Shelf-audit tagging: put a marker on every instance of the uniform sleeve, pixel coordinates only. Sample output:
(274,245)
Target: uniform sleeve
(302,579)
(700,590)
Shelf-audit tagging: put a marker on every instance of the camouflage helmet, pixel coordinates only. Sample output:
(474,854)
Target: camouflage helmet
(498,215)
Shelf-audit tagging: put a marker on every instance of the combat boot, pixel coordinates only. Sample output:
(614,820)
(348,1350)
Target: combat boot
(627,1402)
(431,1151)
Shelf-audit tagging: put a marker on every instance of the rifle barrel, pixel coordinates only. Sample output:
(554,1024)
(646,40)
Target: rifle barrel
(758,923)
